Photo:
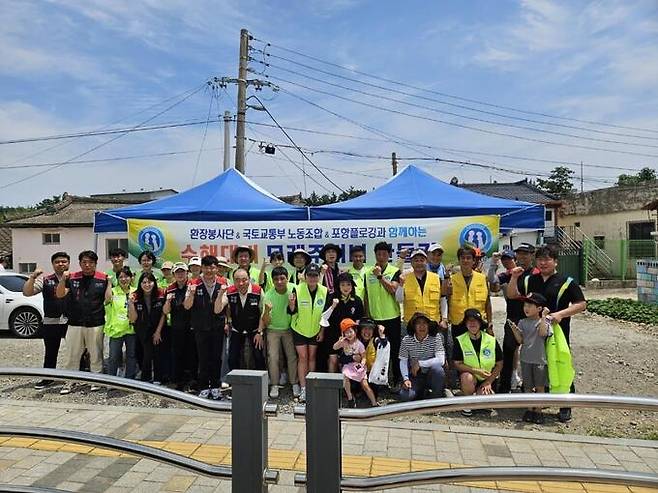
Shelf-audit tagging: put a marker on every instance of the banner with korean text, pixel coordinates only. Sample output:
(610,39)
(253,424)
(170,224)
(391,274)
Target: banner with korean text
(181,240)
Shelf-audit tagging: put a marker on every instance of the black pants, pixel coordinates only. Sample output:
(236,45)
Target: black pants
(509,350)
(52,338)
(209,345)
(150,362)
(236,347)
(183,346)
(393,330)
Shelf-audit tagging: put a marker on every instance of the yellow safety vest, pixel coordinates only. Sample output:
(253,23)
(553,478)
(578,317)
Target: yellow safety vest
(463,297)
(427,301)
(487,357)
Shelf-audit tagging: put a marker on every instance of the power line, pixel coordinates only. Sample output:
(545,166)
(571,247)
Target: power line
(459,125)
(293,142)
(98,146)
(458,115)
(452,96)
(203,139)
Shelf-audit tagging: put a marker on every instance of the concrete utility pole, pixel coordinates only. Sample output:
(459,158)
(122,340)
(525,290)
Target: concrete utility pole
(242,100)
(227,139)
(394,163)
(582,188)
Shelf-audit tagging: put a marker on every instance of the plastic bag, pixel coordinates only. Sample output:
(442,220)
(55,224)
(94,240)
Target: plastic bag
(379,371)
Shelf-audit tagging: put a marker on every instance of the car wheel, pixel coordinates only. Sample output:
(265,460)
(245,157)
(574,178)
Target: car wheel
(25,322)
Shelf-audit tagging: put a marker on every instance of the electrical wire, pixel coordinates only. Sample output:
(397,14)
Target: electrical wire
(203,139)
(451,96)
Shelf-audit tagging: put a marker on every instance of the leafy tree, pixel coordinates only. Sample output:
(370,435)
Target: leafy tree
(49,202)
(643,176)
(314,199)
(560,182)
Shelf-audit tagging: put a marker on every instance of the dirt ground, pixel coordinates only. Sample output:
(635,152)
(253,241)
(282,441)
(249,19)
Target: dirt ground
(611,357)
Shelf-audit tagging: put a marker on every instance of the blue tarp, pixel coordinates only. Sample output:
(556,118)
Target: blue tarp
(229,197)
(416,194)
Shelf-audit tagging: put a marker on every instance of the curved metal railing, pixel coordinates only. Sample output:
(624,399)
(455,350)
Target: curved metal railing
(17,488)
(460,475)
(104,380)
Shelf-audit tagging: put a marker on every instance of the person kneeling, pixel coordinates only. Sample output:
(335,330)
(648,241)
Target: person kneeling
(349,345)
(477,356)
(422,359)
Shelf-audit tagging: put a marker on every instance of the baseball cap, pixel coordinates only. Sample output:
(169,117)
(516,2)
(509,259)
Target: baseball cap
(508,254)
(525,247)
(418,252)
(536,299)
(223,262)
(194,261)
(346,324)
(179,266)
(473,313)
(167,265)
(435,246)
(312,270)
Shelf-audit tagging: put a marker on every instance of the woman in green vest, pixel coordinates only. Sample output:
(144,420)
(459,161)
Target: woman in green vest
(477,356)
(118,328)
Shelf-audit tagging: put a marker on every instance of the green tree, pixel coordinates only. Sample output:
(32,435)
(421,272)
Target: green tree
(49,202)
(643,176)
(559,182)
(314,199)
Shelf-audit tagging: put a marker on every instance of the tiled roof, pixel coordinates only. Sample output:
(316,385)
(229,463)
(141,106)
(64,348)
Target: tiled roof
(520,190)
(5,240)
(72,211)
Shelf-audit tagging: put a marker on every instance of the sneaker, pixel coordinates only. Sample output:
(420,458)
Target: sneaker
(448,393)
(66,389)
(274,391)
(225,386)
(94,388)
(216,394)
(42,384)
(283,379)
(155,382)
(302,394)
(529,416)
(351,403)
(539,418)
(296,390)
(204,393)
(565,415)
(467,413)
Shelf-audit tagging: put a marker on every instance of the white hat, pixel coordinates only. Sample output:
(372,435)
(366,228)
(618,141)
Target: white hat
(435,246)
(167,264)
(195,261)
(418,252)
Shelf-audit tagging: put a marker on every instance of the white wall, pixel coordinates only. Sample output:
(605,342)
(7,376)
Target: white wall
(28,246)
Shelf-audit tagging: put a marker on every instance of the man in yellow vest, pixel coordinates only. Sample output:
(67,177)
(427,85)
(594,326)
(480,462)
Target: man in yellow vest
(469,290)
(477,356)
(381,282)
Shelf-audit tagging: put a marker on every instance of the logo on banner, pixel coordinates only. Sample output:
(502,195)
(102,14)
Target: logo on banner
(151,238)
(478,234)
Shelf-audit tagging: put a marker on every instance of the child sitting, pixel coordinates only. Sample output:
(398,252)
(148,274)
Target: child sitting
(532,332)
(349,345)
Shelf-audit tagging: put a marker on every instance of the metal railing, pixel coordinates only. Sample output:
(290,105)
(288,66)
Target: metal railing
(249,411)
(324,449)
(17,488)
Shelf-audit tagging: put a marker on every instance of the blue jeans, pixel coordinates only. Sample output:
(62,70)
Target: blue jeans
(116,348)
(428,378)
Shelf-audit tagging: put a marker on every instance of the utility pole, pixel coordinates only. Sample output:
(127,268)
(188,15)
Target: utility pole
(242,100)
(582,190)
(394,163)
(227,139)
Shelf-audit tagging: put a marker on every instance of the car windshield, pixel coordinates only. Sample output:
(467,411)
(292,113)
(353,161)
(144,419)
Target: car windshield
(12,283)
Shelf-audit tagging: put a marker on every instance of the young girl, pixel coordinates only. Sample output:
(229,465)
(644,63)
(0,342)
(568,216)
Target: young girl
(145,313)
(117,326)
(356,370)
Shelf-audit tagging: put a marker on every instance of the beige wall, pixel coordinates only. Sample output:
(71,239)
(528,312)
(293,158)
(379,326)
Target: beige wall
(28,245)
(612,225)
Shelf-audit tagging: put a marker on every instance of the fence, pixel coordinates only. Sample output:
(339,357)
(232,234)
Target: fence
(624,254)
(323,439)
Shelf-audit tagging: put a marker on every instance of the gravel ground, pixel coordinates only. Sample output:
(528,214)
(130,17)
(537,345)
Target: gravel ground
(611,357)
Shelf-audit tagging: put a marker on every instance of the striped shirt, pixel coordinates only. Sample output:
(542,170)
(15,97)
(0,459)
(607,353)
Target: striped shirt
(428,348)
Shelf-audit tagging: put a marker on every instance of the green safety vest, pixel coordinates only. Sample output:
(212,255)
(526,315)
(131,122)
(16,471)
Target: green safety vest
(281,319)
(307,319)
(381,304)
(359,277)
(558,359)
(116,315)
(112,277)
(487,358)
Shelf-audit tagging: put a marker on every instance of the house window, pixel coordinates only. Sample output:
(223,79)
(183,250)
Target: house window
(640,230)
(111,244)
(577,224)
(27,268)
(50,238)
(641,243)
(549,215)
(599,241)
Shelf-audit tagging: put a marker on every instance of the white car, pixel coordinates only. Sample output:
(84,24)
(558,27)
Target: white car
(20,314)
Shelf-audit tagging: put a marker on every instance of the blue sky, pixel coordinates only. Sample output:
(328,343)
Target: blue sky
(79,65)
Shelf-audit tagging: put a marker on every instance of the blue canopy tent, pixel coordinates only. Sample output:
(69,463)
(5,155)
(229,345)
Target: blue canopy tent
(416,194)
(228,197)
